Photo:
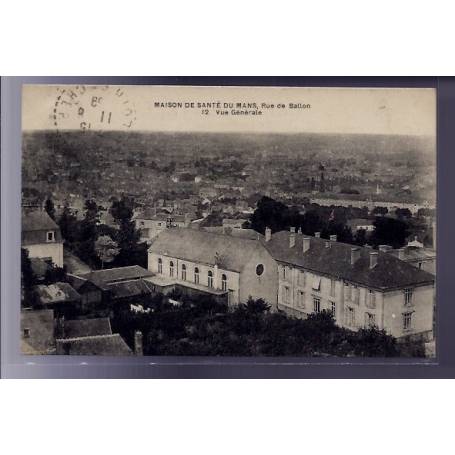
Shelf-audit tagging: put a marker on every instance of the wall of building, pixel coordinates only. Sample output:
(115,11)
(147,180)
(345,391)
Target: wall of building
(262,286)
(232,281)
(421,307)
(52,250)
(386,309)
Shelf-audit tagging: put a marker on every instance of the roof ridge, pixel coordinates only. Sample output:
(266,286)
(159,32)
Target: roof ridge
(90,337)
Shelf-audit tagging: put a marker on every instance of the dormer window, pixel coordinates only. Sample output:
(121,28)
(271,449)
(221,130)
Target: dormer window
(50,236)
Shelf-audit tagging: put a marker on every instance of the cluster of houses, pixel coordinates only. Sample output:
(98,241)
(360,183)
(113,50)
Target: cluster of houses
(293,272)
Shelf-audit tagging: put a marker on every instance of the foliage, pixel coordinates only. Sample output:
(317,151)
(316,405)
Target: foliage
(106,249)
(50,209)
(201,326)
(389,231)
(29,297)
(54,274)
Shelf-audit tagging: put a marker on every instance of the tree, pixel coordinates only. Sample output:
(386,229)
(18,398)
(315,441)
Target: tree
(106,249)
(68,225)
(380,211)
(87,233)
(28,281)
(131,252)
(389,231)
(49,207)
(54,274)
(403,213)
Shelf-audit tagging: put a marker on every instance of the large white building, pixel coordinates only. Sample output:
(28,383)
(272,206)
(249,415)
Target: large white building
(360,286)
(42,238)
(214,264)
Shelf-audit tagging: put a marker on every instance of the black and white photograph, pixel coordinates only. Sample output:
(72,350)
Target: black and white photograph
(228,221)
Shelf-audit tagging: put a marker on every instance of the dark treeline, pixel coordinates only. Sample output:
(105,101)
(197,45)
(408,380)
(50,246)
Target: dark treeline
(391,231)
(80,236)
(205,327)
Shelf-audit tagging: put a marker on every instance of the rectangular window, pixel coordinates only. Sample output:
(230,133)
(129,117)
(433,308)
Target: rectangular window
(316,305)
(371,296)
(50,236)
(316,283)
(370,320)
(407,321)
(332,288)
(408,296)
(355,294)
(283,270)
(350,316)
(286,295)
(301,299)
(302,278)
(347,291)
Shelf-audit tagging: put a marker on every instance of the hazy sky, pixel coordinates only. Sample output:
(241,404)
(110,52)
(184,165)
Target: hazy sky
(333,110)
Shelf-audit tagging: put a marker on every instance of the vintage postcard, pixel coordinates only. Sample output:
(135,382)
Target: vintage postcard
(228,221)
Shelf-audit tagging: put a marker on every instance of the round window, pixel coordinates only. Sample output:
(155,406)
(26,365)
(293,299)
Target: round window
(259,269)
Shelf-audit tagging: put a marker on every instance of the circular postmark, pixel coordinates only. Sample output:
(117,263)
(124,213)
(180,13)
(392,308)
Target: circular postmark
(96,108)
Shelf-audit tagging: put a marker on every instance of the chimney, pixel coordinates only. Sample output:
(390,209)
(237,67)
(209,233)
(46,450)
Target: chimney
(333,238)
(355,255)
(292,238)
(384,248)
(317,234)
(327,243)
(268,234)
(306,244)
(138,350)
(401,253)
(299,231)
(373,259)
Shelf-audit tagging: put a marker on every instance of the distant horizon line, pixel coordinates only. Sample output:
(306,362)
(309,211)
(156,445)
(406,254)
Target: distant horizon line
(262,133)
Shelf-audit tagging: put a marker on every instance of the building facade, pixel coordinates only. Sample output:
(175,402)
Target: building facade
(215,264)
(360,286)
(42,238)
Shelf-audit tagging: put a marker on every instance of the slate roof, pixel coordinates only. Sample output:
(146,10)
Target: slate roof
(40,325)
(35,224)
(412,253)
(38,220)
(107,345)
(108,276)
(234,232)
(78,328)
(57,293)
(389,273)
(73,263)
(130,288)
(202,246)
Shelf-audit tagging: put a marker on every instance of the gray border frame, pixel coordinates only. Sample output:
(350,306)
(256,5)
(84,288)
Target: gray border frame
(15,365)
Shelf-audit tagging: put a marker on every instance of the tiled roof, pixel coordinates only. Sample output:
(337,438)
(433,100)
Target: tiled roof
(108,345)
(389,272)
(202,246)
(86,327)
(57,293)
(107,276)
